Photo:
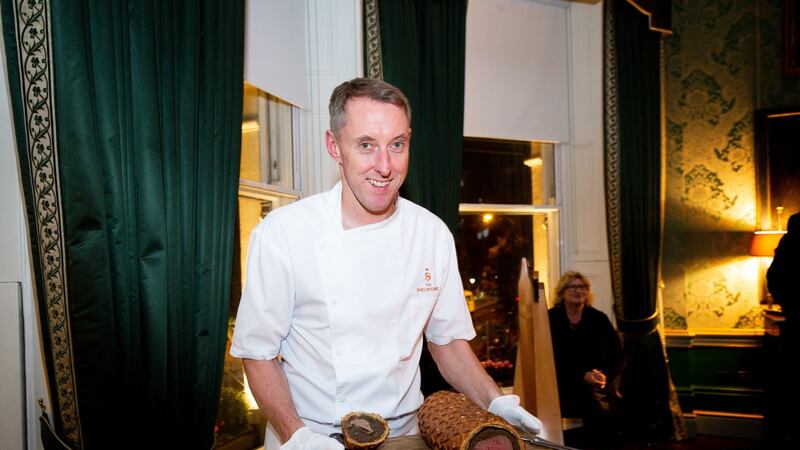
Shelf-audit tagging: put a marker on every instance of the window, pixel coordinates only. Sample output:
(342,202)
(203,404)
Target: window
(268,179)
(269,142)
(507,213)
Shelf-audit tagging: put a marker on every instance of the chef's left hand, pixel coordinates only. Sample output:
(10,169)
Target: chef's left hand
(507,407)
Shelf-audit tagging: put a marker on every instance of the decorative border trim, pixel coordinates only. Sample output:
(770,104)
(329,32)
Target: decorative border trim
(679,431)
(612,158)
(34,48)
(372,37)
(759,76)
(662,185)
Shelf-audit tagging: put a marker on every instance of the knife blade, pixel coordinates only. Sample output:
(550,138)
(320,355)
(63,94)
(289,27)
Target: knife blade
(541,442)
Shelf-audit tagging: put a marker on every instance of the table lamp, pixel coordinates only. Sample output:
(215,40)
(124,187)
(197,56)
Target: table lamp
(763,246)
(764,243)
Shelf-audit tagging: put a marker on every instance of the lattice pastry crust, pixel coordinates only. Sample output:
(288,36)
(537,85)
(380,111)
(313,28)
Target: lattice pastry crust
(449,421)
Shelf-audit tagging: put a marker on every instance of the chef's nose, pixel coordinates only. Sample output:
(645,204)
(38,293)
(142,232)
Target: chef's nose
(383,163)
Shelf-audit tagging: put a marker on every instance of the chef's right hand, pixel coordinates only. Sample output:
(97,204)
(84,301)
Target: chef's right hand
(305,439)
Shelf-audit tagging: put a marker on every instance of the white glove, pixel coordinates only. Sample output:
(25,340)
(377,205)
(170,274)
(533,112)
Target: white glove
(507,407)
(305,439)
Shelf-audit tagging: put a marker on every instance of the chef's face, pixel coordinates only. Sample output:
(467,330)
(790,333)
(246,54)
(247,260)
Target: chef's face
(372,149)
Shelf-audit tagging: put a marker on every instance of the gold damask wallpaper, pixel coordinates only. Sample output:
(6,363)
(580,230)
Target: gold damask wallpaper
(721,63)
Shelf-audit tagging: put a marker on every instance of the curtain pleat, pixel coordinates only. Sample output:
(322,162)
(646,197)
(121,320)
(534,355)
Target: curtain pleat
(148,99)
(422,47)
(634,203)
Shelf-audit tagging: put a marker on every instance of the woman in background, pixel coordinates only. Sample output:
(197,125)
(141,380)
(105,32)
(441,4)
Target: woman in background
(588,358)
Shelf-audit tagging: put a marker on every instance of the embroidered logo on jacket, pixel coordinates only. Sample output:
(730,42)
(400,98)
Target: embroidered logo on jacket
(427,285)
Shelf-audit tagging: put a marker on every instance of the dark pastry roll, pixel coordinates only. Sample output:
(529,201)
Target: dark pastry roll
(364,431)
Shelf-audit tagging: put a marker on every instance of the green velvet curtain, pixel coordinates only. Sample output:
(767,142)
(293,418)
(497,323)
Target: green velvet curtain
(128,119)
(633,177)
(422,48)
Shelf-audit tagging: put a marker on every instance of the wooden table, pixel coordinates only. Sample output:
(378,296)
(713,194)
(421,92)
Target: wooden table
(416,443)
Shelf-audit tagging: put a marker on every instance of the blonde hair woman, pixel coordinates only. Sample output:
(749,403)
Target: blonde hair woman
(566,280)
(588,360)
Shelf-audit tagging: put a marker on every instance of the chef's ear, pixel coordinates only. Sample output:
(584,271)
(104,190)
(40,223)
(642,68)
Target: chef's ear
(333,147)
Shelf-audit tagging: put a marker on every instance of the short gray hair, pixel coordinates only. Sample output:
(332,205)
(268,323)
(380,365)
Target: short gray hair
(363,88)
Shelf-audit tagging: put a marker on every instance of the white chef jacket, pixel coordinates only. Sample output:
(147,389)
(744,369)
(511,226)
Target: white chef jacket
(346,309)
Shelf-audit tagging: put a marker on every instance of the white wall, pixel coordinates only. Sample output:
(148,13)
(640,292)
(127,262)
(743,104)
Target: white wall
(21,370)
(585,247)
(334,55)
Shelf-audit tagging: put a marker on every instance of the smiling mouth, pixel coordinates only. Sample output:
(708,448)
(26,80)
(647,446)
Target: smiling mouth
(377,183)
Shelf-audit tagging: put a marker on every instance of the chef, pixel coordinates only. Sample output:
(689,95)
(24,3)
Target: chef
(341,286)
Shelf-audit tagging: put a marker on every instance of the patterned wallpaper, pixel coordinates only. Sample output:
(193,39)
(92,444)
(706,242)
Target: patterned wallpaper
(722,63)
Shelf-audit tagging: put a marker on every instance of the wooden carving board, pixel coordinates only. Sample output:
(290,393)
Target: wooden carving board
(416,443)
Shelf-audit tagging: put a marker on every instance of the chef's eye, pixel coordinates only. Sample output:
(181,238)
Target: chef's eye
(398,146)
(365,147)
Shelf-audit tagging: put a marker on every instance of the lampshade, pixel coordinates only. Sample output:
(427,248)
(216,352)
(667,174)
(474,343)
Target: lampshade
(764,243)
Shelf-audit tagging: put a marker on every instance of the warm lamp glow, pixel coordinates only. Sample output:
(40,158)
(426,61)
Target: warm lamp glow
(488,217)
(764,243)
(533,162)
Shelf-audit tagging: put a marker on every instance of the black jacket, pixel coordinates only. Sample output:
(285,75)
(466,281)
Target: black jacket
(591,344)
